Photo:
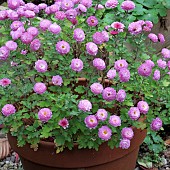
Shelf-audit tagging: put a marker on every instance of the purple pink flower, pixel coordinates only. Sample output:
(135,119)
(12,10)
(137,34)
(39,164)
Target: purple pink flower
(40,88)
(26,38)
(44,114)
(13,4)
(128,5)
(4,53)
(119,64)
(153,37)
(156,124)
(156,75)
(105,133)
(111,74)
(29,14)
(121,95)
(91,121)
(145,70)
(63,123)
(35,45)
(118,26)
(101,114)
(92,21)
(111,3)
(127,133)
(41,66)
(86,3)
(161,38)
(161,64)
(115,120)
(98,38)
(143,107)
(91,48)
(134,113)
(60,15)
(79,35)
(8,109)
(33,31)
(57,80)
(109,94)
(150,63)
(3,15)
(15,25)
(99,64)
(124,143)
(76,64)
(135,28)
(124,75)
(165,53)
(11,45)
(44,24)
(96,88)
(63,47)
(5,82)
(85,105)
(67,4)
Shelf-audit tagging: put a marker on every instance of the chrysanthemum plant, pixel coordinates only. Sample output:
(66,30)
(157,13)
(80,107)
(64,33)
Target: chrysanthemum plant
(80,73)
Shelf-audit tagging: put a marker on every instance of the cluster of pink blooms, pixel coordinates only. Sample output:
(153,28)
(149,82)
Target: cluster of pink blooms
(105,131)
(65,9)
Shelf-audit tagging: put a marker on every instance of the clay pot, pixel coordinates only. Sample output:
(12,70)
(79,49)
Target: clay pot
(45,158)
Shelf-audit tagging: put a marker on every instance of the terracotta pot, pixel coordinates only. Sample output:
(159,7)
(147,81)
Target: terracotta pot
(79,159)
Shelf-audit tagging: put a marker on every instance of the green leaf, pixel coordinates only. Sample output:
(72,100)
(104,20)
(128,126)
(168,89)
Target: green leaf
(80,89)
(60,140)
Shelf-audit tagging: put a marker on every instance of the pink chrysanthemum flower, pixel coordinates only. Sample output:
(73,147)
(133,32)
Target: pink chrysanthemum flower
(111,74)
(15,25)
(127,133)
(156,124)
(4,53)
(29,14)
(165,53)
(33,31)
(145,70)
(91,121)
(76,64)
(119,64)
(161,38)
(54,28)
(13,4)
(134,113)
(135,28)
(124,143)
(153,37)
(63,47)
(91,48)
(99,64)
(124,75)
(156,75)
(8,109)
(105,36)
(11,45)
(67,4)
(109,94)
(115,120)
(128,5)
(92,21)
(150,63)
(86,3)
(111,3)
(54,8)
(79,35)
(40,88)
(71,14)
(96,88)
(99,6)
(161,64)
(44,114)
(63,123)
(35,45)
(105,133)
(101,114)
(3,15)
(121,95)
(118,26)
(44,24)
(143,107)
(60,15)
(98,38)
(5,82)
(168,65)
(42,6)
(82,8)
(57,80)
(41,66)
(24,52)
(26,38)
(85,105)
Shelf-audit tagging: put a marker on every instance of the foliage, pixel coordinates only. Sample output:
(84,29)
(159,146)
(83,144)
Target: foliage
(63,100)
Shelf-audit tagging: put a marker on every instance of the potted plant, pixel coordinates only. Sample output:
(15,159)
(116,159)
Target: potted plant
(71,89)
